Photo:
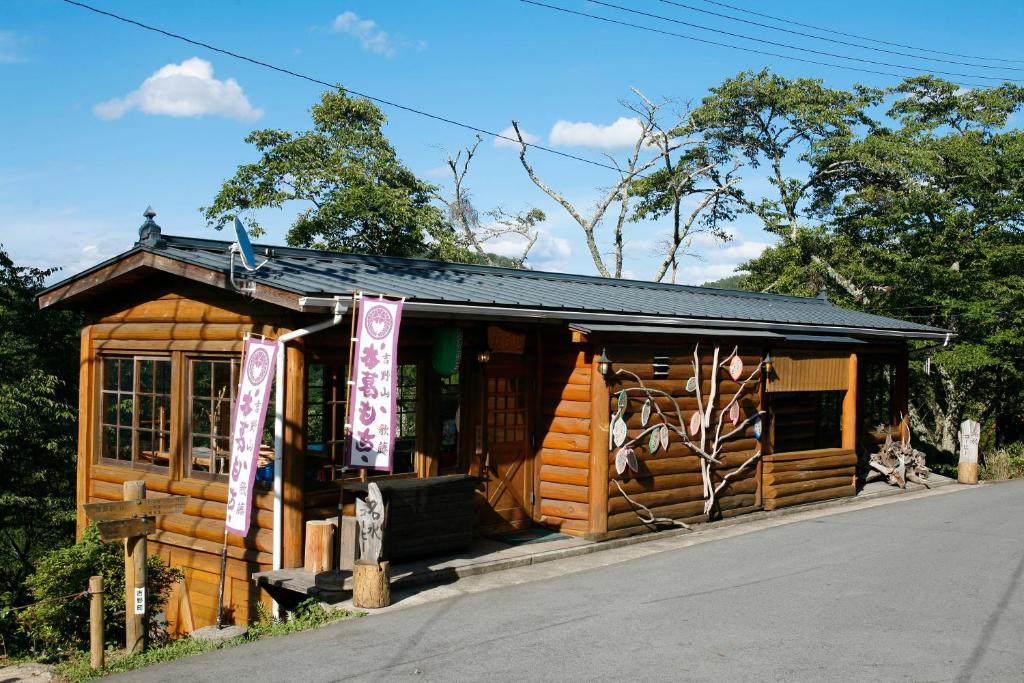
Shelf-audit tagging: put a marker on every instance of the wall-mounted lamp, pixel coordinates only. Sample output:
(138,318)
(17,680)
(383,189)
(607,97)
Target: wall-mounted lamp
(483,356)
(768,365)
(604,363)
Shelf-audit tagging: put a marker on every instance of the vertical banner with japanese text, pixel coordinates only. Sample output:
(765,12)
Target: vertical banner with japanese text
(372,402)
(250,412)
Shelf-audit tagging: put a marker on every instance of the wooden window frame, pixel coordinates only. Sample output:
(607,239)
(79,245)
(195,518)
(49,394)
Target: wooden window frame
(97,438)
(188,359)
(329,357)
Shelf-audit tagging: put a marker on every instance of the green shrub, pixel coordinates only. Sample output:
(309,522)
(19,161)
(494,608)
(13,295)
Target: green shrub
(1005,463)
(56,625)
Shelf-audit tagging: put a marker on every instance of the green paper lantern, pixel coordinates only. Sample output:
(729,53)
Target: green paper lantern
(447,350)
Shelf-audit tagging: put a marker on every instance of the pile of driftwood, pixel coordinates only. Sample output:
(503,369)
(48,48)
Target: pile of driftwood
(899,463)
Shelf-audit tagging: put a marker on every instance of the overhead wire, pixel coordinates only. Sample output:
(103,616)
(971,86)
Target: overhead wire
(859,37)
(862,60)
(836,40)
(708,41)
(318,81)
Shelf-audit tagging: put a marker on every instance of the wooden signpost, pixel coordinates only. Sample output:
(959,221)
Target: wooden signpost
(132,519)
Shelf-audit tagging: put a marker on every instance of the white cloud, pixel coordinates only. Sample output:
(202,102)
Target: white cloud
(700,273)
(510,132)
(186,89)
(623,132)
(10,44)
(744,250)
(370,36)
(550,252)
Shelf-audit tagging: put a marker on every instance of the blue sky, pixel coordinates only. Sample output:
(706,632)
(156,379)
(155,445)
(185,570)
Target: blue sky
(88,142)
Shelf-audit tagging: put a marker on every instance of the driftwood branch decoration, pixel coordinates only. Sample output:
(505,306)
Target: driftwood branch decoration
(659,425)
(899,462)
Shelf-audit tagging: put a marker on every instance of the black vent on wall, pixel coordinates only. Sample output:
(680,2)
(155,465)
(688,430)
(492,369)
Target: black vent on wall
(660,367)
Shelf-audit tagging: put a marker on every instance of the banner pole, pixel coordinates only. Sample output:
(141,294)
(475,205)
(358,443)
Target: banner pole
(220,586)
(356,296)
(213,456)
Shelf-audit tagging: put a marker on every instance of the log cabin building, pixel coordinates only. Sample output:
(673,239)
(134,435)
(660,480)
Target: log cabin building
(542,363)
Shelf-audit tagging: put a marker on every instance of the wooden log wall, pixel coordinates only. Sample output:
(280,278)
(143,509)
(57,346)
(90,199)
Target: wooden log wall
(809,476)
(563,434)
(669,482)
(175,319)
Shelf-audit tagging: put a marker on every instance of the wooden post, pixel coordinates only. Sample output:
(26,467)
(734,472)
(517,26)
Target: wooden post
(294,454)
(319,555)
(96,637)
(371,584)
(135,578)
(600,402)
(850,407)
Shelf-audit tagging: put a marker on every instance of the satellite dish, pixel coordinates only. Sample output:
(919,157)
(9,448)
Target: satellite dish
(244,246)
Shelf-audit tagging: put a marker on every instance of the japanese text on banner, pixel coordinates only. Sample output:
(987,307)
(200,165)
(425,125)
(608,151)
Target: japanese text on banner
(250,413)
(372,402)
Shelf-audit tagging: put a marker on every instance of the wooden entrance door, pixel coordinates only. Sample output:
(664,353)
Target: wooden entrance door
(508,458)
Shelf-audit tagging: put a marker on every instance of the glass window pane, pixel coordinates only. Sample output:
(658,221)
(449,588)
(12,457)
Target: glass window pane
(110,373)
(124,444)
(145,369)
(125,373)
(201,379)
(163,377)
(109,442)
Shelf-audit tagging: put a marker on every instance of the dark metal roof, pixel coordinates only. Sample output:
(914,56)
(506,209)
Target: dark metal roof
(613,328)
(313,273)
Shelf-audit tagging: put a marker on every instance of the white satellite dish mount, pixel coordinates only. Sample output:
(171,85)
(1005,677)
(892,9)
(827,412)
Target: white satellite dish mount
(243,247)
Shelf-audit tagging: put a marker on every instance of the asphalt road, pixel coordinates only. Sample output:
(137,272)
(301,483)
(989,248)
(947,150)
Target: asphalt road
(926,589)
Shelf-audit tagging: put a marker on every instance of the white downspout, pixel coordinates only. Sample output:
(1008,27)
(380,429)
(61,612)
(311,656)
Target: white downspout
(339,312)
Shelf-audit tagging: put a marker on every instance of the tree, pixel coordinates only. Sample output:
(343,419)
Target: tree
(931,211)
(618,192)
(695,171)
(355,193)
(799,129)
(38,392)
(474,235)
(924,211)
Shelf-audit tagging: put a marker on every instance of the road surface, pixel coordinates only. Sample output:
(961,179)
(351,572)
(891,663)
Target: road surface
(925,589)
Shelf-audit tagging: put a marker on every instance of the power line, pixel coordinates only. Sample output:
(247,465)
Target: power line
(742,48)
(836,40)
(318,81)
(859,37)
(765,41)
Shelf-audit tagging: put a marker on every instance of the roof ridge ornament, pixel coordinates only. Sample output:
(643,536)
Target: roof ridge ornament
(149,232)
(823,294)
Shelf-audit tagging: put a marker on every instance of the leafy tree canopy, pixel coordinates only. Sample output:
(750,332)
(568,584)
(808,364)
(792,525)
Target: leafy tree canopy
(355,194)
(38,373)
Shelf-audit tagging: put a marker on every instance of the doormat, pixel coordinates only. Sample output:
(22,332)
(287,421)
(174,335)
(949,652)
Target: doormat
(524,536)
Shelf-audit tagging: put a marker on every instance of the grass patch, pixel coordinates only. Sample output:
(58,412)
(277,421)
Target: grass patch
(309,614)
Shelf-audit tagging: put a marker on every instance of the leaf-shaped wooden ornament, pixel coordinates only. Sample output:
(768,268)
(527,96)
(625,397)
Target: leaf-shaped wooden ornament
(664,437)
(645,413)
(654,440)
(736,368)
(620,461)
(734,413)
(695,424)
(691,384)
(631,459)
(619,431)
(623,400)
(757,427)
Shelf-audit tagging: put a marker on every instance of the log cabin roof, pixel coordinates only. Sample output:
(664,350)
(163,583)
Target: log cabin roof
(298,278)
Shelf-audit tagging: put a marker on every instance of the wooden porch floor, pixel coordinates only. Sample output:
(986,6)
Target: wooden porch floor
(486,555)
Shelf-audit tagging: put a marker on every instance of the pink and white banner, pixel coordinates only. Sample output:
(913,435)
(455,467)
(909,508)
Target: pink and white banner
(258,362)
(372,402)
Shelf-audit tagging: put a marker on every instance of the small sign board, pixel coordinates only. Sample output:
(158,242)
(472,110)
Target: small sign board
(120,529)
(140,600)
(127,509)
